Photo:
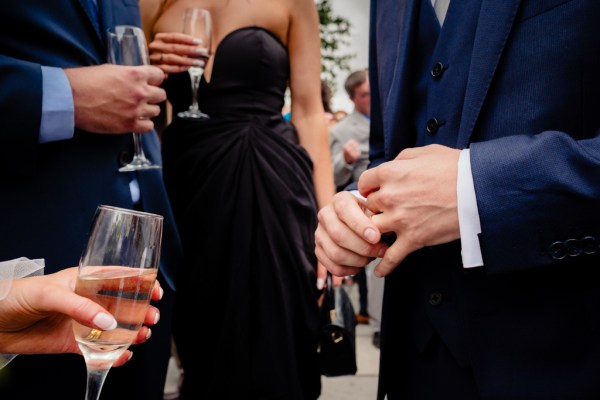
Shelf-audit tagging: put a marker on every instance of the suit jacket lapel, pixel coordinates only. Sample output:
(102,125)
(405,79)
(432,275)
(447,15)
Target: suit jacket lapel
(393,64)
(105,11)
(496,19)
(89,13)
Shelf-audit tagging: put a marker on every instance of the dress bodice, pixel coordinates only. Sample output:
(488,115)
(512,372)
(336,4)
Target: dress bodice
(249,77)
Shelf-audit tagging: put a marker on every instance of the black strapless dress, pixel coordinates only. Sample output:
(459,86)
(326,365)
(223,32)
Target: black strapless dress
(242,193)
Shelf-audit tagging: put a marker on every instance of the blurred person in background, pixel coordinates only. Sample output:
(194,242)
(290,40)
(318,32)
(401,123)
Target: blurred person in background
(349,138)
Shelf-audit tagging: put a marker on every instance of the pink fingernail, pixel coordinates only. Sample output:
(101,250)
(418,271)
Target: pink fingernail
(105,321)
(370,234)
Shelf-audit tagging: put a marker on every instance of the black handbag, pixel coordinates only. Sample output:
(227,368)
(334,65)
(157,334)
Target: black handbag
(337,341)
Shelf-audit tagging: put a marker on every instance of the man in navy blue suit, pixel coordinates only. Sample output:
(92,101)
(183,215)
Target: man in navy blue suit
(66,123)
(482,197)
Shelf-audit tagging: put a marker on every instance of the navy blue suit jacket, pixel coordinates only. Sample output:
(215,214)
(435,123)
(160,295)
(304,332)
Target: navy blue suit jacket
(528,322)
(49,192)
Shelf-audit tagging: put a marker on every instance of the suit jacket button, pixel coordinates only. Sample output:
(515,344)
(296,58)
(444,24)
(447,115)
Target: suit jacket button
(435,299)
(124,158)
(437,70)
(589,244)
(558,250)
(573,247)
(432,125)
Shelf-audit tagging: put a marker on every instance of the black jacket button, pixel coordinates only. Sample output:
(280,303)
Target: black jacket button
(435,299)
(558,250)
(124,158)
(437,70)
(589,245)
(573,247)
(432,125)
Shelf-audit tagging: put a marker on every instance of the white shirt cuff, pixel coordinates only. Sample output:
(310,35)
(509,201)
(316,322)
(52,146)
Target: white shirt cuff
(58,110)
(468,214)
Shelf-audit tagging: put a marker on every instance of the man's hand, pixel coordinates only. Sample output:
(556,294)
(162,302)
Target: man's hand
(413,196)
(115,98)
(351,151)
(346,238)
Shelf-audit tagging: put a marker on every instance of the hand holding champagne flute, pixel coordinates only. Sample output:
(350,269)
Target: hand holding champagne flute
(127,46)
(197,23)
(117,270)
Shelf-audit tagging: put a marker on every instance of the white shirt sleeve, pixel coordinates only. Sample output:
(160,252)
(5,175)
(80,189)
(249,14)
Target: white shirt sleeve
(468,214)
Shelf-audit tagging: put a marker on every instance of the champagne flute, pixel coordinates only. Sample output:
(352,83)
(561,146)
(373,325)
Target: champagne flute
(127,46)
(117,270)
(197,22)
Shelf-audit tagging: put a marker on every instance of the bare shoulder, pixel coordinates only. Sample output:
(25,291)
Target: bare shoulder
(303,14)
(301,8)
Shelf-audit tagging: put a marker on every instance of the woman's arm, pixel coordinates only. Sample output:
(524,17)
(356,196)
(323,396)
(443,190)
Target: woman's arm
(304,46)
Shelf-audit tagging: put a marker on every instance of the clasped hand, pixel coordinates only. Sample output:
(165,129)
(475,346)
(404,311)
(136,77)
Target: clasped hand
(413,196)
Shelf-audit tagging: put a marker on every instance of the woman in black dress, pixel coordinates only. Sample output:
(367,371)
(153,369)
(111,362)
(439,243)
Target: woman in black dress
(245,187)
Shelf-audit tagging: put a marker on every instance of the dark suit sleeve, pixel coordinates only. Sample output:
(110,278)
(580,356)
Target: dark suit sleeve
(21,110)
(535,147)
(538,200)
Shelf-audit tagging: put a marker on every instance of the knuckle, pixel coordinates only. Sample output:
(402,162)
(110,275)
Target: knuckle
(336,234)
(367,249)
(336,254)
(321,215)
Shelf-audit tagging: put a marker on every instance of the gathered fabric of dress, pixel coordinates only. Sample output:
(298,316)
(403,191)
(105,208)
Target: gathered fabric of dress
(242,192)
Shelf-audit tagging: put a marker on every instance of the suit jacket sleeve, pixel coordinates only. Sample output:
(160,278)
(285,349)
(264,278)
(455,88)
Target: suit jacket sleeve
(534,191)
(21,106)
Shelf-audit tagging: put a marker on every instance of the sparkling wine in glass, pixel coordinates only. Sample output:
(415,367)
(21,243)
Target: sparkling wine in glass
(127,46)
(197,22)
(117,270)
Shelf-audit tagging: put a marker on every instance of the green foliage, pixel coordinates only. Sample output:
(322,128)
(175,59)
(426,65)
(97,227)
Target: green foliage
(334,32)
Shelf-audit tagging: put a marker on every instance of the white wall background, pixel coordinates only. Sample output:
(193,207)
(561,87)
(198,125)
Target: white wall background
(357,12)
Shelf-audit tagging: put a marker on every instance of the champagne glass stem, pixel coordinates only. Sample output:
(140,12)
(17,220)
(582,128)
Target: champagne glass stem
(95,381)
(197,23)
(139,161)
(137,145)
(195,85)
(127,46)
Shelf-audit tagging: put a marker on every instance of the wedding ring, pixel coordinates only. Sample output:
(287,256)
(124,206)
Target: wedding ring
(94,334)
(161,57)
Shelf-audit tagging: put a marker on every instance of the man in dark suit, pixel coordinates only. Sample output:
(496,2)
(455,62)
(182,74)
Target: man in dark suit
(484,185)
(67,119)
